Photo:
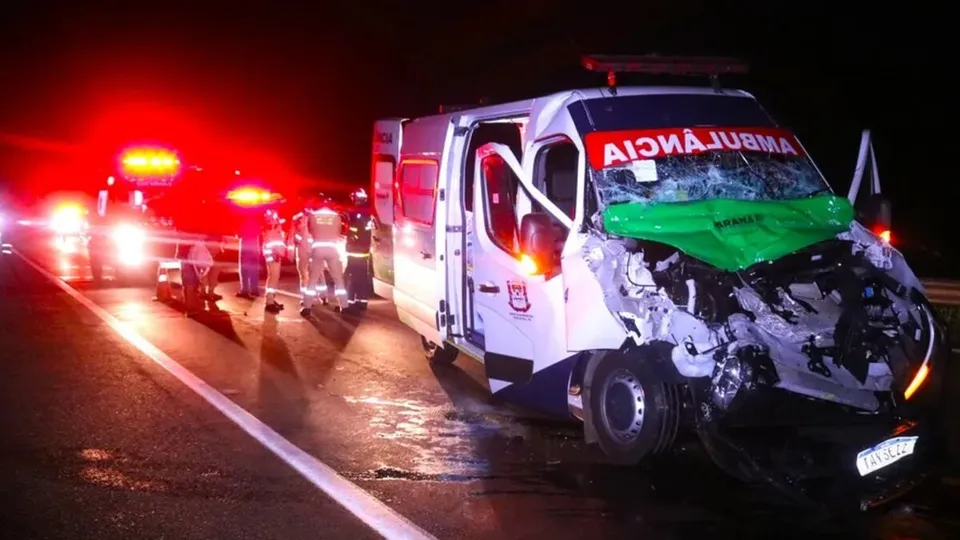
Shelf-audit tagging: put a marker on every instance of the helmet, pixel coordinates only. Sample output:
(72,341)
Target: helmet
(324,200)
(271,217)
(359,197)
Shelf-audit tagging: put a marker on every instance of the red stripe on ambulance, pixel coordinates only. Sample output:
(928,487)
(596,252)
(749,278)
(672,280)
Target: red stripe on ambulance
(613,148)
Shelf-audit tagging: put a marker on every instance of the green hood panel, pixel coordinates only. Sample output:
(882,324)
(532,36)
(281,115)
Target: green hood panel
(733,234)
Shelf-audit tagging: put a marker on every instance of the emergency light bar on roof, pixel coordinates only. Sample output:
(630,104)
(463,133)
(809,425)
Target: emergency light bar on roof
(251,196)
(149,162)
(653,64)
(664,65)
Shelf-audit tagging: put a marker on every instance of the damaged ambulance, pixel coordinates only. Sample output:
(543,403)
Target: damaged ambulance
(661,261)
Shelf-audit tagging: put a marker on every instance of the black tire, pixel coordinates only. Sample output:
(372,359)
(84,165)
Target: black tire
(634,413)
(439,355)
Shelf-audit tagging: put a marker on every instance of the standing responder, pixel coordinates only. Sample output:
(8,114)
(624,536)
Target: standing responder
(324,226)
(298,243)
(359,234)
(249,257)
(273,252)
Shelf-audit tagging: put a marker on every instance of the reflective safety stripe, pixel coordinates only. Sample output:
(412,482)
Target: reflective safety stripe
(298,237)
(271,290)
(175,265)
(269,259)
(162,278)
(323,244)
(357,254)
(354,229)
(322,288)
(306,290)
(362,301)
(340,292)
(273,243)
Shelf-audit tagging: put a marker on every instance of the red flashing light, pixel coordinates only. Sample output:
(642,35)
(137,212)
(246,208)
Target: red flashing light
(252,196)
(663,65)
(150,162)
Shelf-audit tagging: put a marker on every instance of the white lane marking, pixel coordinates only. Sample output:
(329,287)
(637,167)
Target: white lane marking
(370,510)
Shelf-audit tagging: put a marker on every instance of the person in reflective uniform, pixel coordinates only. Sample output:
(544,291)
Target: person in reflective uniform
(324,225)
(360,230)
(273,252)
(299,245)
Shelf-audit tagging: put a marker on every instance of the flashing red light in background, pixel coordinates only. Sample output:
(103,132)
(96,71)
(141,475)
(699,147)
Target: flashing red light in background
(249,196)
(150,162)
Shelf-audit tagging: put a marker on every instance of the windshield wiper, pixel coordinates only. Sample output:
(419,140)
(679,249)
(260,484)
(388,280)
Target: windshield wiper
(820,191)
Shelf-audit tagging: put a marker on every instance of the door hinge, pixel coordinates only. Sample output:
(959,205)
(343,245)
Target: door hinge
(442,195)
(454,228)
(460,131)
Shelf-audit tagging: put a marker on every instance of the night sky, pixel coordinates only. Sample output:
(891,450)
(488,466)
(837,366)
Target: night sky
(286,86)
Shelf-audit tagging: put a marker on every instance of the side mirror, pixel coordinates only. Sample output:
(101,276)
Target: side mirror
(874,212)
(538,241)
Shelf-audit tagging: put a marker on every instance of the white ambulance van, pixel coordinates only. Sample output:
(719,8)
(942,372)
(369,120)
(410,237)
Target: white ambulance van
(648,259)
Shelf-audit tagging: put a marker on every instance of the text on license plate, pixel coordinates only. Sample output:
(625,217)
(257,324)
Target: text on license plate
(886,453)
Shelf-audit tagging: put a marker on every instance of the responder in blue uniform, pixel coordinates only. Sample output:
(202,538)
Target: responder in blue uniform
(359,232)
(249,257)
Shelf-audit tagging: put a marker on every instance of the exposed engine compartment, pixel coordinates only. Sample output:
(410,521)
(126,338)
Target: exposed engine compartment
(842,320)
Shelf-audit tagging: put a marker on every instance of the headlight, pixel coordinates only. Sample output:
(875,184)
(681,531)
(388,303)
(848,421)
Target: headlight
(129,234)
(130,241)
(66,223)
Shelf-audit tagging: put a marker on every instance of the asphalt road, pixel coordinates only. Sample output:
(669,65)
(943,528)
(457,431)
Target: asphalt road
(98,441)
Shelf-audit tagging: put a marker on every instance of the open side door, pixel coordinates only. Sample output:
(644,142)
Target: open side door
(516,303)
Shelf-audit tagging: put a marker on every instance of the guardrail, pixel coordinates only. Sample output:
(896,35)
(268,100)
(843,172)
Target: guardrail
(943,292)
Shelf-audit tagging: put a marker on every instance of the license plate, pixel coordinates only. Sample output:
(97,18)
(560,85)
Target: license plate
(886,453)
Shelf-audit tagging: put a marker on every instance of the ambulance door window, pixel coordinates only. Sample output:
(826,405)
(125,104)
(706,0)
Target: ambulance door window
(555,173)
(418,180)
(384,169)
(507,133)
(501,185)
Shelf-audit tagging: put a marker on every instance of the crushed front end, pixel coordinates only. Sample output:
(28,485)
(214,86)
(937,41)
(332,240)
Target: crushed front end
(821,362)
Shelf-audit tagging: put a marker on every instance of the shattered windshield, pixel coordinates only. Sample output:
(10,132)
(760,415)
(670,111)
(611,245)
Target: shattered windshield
(668,148)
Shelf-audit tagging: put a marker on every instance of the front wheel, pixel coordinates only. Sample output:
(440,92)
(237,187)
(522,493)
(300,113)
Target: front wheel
(441,355)
(634,412)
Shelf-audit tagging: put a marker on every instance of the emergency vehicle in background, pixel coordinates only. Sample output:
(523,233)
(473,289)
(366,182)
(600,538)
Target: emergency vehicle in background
(120,232)
(132,236)
(652,259)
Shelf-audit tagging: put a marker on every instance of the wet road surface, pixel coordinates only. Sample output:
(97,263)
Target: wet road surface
(101,441)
